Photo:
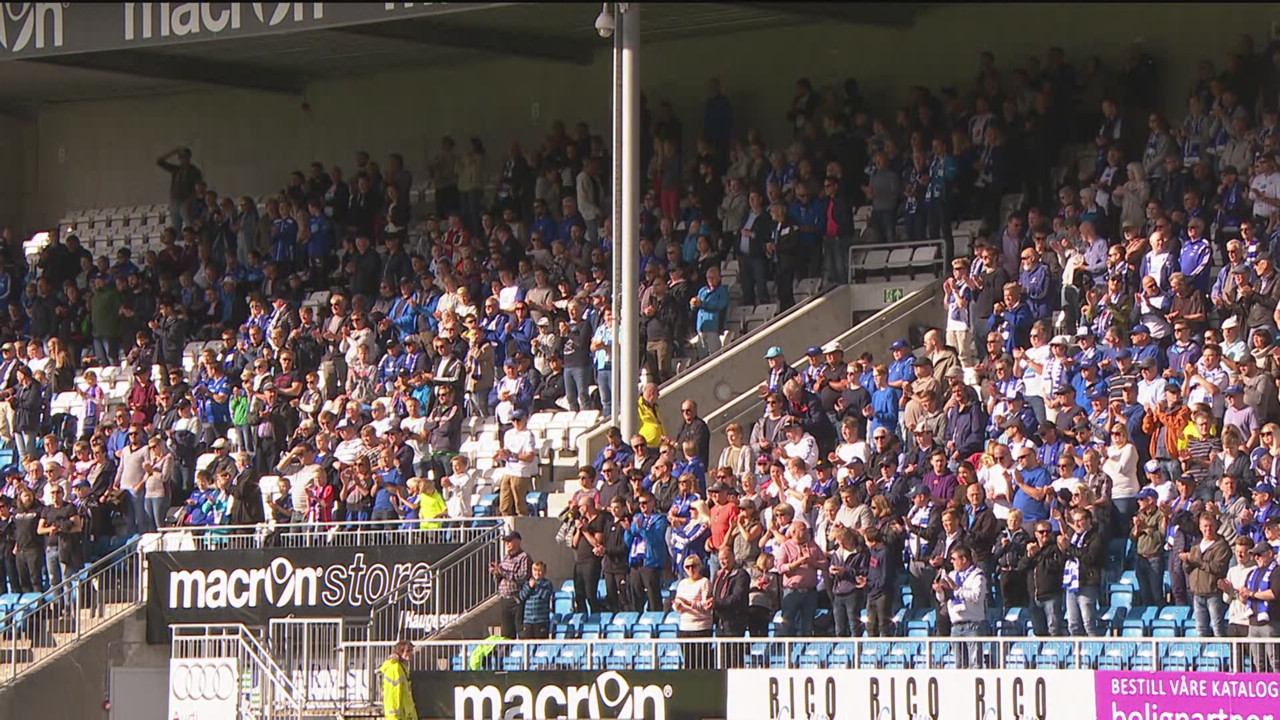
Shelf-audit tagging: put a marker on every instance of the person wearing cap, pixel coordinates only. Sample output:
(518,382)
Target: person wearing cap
(1257,294)
(1166,423)
(1196,258)
(1142,347)
(780,371)
(902,371)
(1233,345)
(1148,530)
(813,372)
(1151,384)
(923,523)
(1264,510)
(834,377)
(512,573)
(519,454)
(1242,416)
(1261,593)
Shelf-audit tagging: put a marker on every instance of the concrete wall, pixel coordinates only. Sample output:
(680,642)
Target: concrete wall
(74,686)
(100,153)
(17,168)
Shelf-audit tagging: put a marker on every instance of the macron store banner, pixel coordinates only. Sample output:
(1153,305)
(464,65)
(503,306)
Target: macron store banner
(42,29)
(253,586)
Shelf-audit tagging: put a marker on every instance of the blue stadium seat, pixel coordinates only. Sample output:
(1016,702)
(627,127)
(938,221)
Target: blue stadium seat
(1174,612)
(1112,619)
(1164,627)
(1120,596)
(567,586)
(873,655)
(563,602)
(544,657)
(487,507)
(537,502)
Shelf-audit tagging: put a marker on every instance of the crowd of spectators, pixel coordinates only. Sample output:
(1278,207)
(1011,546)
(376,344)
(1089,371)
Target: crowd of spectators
(1099,398)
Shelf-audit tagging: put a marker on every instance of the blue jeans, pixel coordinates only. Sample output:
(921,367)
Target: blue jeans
(52,565)
(575,388)
(798,609)
(25,445)
(885,223)
(969,654)
(1150,572)
(1211,615)
(1046,617)
(1082,611)
(157,508)
(604,379)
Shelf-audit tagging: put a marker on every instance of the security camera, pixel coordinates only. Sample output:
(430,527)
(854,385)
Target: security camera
(604,22)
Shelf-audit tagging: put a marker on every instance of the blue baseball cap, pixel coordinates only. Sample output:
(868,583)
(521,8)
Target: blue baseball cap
(900,345)
(1124,354)
(773,352)
(1235,390)
(815,350)
(1146,493)
(1140,328)
(1098,394)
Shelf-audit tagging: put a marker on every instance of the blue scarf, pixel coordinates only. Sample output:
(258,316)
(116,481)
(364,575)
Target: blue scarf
(1258,580)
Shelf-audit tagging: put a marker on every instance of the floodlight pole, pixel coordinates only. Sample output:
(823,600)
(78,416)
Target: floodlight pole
(626,229)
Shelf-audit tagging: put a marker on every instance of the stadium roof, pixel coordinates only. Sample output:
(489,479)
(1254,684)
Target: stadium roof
(53,53)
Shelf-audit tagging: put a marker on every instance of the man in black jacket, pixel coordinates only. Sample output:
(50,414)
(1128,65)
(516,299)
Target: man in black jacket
(750,248)
(617,594)
(1044,560)
(1085,553)
(730,597)
(364,270)
(983,528)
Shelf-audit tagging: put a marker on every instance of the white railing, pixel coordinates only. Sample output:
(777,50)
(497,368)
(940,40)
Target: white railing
(332,534)
(266,692)
(996,653)
(406,611)
(52,622)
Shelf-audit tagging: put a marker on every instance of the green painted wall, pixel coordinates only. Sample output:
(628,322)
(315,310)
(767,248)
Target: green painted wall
(247,142)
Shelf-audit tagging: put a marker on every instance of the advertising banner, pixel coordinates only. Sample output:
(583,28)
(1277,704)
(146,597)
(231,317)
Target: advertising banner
(203,688)
(909,694)
(542,695)
(1187,696)
(41,29)
(253,586)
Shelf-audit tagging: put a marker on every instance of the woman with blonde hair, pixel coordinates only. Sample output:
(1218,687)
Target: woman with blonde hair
(737,454)
(1122,466)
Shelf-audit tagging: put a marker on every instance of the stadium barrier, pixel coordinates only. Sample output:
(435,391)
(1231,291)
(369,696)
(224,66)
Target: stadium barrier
(224,671)
(35,627)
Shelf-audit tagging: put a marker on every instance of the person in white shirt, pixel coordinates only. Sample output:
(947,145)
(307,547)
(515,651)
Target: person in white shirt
(965,591)
(1264,190)
(800,444)
(350,448)
(459,487)
(520,454)
(693,601)
(1150,383)
(1238,610)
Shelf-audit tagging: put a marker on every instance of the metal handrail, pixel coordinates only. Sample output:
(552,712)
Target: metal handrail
(208,639)
(341,534)
(446,608)
(788,653)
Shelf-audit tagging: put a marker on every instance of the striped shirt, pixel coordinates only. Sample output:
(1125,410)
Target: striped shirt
(515,571)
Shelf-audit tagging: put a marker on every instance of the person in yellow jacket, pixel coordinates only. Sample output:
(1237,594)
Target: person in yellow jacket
(651,426)
(397,693)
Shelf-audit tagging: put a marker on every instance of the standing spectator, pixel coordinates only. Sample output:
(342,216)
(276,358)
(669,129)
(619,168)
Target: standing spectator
(1206,563)
(614,562)
(513,573)
(1085,553)
(799,561)
(711,304)
(849,567)
(693,600)
(1260,592)
(648,555)
(183,179)
(588,550)
(536,597)
(1148,532)
(884,188)
(964,592)
(520,454)
(730,596)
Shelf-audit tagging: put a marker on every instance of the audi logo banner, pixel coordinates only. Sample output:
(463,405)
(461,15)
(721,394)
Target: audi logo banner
(254,586)
(203,688)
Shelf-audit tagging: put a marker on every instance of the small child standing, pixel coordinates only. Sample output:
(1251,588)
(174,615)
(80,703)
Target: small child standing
(537,597)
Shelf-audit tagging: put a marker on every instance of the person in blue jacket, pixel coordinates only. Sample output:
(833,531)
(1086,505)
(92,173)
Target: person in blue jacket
(1012,318)
(648,557)
(711,303)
